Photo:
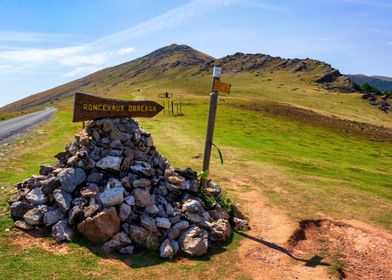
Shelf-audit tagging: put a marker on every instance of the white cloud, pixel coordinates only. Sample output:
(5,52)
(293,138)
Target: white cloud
(390,43)
(4,67)
(69,56)
(81,70)
(34,37)
(125,51)
(86,57)
(166,20)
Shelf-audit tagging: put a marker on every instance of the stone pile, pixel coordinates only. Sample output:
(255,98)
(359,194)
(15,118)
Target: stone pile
(382,104)
(112,186)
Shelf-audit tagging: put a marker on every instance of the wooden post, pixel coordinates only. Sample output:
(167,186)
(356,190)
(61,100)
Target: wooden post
(211,124)
(172,105)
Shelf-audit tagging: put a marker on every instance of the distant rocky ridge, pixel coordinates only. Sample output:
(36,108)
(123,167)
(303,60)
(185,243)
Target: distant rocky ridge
(183,59)
(330,78)
(112,186)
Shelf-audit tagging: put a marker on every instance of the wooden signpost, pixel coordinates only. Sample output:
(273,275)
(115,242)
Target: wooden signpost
(89,107)
(217,86)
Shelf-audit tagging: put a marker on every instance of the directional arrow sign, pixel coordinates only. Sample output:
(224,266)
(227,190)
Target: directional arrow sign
(222,87)
(89,107)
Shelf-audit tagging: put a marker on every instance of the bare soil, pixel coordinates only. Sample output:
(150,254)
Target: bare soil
(278,248)
(36,238)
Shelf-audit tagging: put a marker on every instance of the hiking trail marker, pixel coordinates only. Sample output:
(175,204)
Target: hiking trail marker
(90,107)
(217,86)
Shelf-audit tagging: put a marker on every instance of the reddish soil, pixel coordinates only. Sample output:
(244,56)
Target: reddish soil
(35,238)
(277,248)
(358,251)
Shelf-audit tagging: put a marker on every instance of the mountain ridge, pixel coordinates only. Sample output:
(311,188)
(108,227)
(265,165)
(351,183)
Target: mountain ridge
(173,60)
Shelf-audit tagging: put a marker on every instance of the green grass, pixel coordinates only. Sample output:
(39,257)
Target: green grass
(300,165)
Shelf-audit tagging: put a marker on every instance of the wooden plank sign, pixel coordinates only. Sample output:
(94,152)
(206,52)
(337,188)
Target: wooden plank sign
(222,87)
(90,107)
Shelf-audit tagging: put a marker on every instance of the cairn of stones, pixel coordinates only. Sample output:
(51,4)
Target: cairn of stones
(113,187)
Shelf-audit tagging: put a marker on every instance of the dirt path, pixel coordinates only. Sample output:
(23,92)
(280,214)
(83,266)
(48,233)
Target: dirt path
(277,247)
(263,252)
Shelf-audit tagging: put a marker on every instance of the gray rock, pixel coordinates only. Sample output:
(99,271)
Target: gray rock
(196,219)
(191,205)
(62,232)
(35,216)
(18,209)
(142,168)
(95,177)
(142,197)
(194,241)
(213,190)
(23,225)
(220,230)
(111,197)
(49,185)
(218,213)
(125,228)
(110,163)
(116,144)
(152,209)
(52,217)
(113,183)
(75,215)
(36,197)
(141,183)
(176,230)
(240,224)
(46,169)
(169,248)
(130,200)
(176,180)
(63,199)
(148,223)
(125,211)
(70,178)
(114,244)
(163,223)
(127,250)
(144,238)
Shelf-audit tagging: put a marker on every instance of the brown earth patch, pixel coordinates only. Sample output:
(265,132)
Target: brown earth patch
(36,238)
(276,109)
(355,250)
(276,247)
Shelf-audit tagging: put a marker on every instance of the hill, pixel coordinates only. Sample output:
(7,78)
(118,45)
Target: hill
(302,159)
(379,82)
(183,63)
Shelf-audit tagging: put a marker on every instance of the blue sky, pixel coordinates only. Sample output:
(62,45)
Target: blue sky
(47,43)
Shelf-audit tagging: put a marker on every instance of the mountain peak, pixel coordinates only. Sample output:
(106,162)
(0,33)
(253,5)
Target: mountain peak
(178,55)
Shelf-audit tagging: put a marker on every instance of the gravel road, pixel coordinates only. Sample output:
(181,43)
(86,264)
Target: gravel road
(12,127)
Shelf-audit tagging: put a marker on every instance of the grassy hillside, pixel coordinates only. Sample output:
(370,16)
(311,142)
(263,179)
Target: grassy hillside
(312,152)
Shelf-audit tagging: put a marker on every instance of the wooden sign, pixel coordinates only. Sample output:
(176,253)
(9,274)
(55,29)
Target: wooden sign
(222,87)
(89,107)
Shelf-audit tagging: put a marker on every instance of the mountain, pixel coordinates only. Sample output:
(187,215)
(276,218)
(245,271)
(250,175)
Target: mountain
(183,63)
(380,82)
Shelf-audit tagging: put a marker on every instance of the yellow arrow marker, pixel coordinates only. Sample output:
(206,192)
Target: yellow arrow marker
(222,87)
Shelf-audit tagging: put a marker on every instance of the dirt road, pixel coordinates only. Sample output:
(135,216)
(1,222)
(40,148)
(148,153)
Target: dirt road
(10,128)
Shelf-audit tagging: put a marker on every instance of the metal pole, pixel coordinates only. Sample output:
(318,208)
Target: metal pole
(210,124)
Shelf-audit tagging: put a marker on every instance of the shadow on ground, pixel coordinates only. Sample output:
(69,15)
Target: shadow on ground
(312,262)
